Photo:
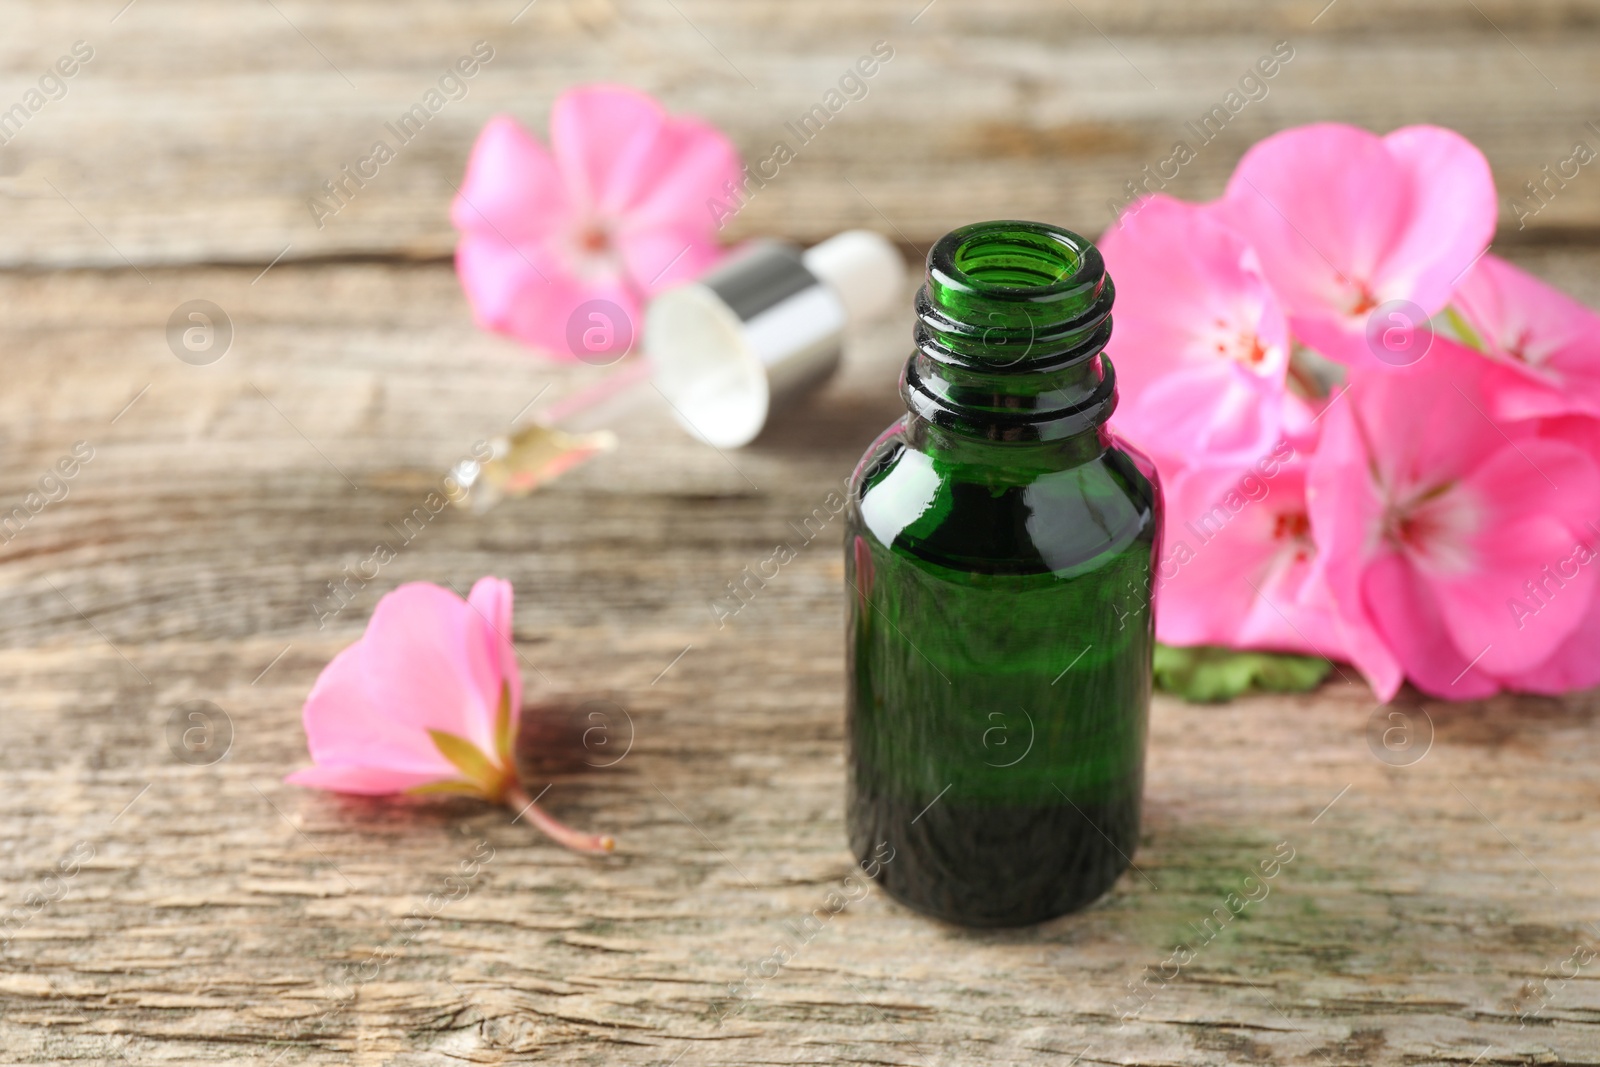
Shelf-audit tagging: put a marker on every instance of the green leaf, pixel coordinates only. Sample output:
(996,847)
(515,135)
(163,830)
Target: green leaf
(503,739)
(468,758)
(1205,674)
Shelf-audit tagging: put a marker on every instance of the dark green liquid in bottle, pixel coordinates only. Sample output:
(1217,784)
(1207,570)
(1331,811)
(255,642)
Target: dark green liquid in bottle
(999,552)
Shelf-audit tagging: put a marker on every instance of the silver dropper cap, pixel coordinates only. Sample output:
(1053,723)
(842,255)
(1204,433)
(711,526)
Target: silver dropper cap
(764,328)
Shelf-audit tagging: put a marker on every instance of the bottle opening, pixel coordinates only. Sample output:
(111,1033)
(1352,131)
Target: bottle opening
(998,257)
(1016,276)
(1013,262)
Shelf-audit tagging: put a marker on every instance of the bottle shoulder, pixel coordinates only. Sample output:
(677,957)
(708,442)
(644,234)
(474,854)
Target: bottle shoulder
(1039,512)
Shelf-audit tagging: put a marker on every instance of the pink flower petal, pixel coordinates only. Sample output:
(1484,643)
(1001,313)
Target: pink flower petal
(1416,443)
(1322,205)
(605,140)
(1411,621)
(1203,415)
(1247,575)
(490,651)
(1549,343)
(512,189)
(343,725)
(1199,344)
(690,165)
(1344,221)
(529,294)
(1345,507)
(1575,663)
(1452,215)
(416,666)
(1534,525)
(1202,593)
(661,258)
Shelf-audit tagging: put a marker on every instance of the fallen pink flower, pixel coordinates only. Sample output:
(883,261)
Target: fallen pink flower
(427,701)
(614,211)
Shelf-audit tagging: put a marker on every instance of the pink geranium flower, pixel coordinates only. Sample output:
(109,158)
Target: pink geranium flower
(1344,221)
(1575,662)
(1437,523)
(1240,568)
(1549,341)
(427,701)
(1200,345)
(615,210)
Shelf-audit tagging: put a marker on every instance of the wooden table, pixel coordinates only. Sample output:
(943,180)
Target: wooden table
(213,913)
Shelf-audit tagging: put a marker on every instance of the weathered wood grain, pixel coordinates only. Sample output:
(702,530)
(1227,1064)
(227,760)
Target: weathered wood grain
(222,911)
(199,132)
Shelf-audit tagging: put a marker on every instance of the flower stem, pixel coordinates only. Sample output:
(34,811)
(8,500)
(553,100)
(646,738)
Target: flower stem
(556,830)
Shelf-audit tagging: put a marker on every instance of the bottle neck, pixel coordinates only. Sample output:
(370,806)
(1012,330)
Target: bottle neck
(1010,332)
(1026,457)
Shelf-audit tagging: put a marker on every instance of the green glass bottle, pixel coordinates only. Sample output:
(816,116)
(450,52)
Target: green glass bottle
(1000,548)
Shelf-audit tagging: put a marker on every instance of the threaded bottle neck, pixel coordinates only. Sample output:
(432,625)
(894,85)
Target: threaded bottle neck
(1011,325)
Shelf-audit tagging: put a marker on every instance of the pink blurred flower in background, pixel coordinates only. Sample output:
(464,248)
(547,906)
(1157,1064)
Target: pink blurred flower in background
(1438,523)
(615,210)
(1200,345)
(1344,221)
(427,701)
(1549,341)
